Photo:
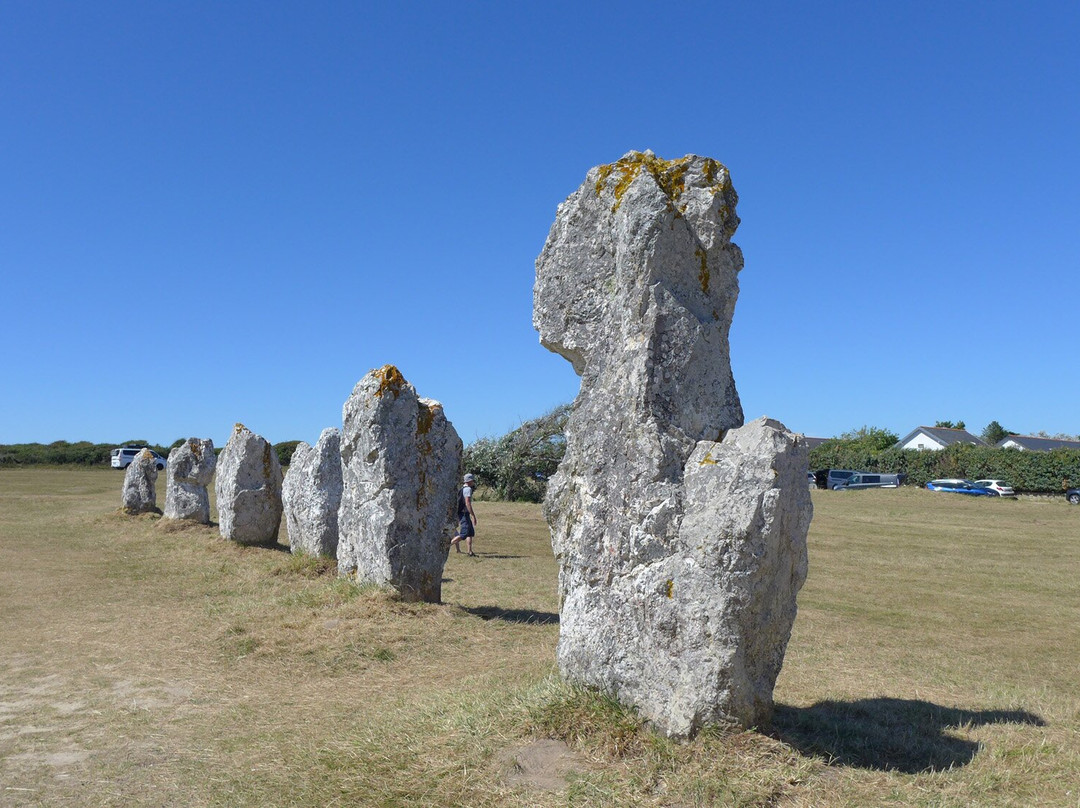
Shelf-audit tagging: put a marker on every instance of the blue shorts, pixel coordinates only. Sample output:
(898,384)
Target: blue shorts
(465,526)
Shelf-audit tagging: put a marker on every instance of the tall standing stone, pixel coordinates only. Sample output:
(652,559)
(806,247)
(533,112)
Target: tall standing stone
(401,464)
(248,488)
(190,470)
(678,571)
(140,484)
(311,495)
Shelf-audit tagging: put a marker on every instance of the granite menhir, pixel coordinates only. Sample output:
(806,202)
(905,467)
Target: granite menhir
(680,533)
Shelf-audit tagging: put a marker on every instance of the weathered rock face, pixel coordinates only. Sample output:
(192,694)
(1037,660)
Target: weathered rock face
(311,495)
(190,469)
(248,488)
(401,464)
(140,484)
(678,577)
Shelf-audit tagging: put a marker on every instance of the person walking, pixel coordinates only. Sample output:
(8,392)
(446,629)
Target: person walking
(466,516)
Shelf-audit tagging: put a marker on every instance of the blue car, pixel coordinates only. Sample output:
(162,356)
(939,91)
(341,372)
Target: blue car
(961,487)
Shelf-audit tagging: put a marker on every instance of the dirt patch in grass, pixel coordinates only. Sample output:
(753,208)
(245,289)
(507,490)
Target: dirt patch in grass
(543,764)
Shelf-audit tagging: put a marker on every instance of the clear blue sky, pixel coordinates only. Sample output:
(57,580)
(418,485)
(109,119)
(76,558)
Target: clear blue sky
(216,212)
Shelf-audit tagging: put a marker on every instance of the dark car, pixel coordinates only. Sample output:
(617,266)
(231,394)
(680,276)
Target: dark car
(863,479)
(1073,495)
(961,487)
(831,478)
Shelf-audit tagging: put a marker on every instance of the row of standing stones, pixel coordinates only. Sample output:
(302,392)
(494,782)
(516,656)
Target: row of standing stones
(680,532)
(379,495)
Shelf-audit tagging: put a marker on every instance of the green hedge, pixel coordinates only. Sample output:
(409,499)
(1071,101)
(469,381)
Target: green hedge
(84,453)
(1031,472)
(63,453)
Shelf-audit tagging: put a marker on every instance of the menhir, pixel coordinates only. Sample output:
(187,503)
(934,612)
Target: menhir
(248,487)
(401,465)
(190,470)
(311,495)
(680,533)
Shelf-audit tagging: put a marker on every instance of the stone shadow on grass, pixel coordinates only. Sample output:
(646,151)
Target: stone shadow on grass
(514,615)
(272,544)
(902,735)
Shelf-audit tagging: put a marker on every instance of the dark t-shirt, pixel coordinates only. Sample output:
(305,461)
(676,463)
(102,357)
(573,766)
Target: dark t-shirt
(465,493)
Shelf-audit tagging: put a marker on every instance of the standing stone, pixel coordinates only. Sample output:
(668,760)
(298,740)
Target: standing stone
(140,484)
(680,557)
(190,469)
(248,487)
(401,463)
(311,495)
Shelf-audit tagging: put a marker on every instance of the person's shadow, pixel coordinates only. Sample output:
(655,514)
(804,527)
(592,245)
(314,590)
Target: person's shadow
(902,735)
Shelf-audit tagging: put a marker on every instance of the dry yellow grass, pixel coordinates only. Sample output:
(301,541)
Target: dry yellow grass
(933,663)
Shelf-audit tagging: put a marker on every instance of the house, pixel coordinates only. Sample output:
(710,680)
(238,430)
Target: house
(813,443)
(937,438)
(1032,443)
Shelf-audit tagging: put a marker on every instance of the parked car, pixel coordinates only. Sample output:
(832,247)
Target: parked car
(811,480)
(961,487)
(1003,489)
(1073,496)
(830,478)
(122,457)
(862,479)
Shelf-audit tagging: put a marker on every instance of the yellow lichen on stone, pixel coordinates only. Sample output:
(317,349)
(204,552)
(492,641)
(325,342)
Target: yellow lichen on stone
(670,587)
(425,416)
(703,273)
(604,172)
(390,380)
(669,175)
(711,169)
(707,460)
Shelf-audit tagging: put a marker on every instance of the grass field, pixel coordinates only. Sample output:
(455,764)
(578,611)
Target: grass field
(935,662)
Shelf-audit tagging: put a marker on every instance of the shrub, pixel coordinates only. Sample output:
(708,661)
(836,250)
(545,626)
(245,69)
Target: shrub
(518,465)
(284,451)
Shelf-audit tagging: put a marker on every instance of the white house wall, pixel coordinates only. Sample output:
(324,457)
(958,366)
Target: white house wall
(923,442)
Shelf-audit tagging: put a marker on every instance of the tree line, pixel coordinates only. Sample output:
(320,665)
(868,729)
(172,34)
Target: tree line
(85,453)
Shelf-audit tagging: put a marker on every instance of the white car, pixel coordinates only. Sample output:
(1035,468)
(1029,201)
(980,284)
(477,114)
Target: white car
(122,457)
(1003,489)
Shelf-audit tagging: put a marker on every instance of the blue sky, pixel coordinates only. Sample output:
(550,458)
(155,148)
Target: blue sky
(221,212)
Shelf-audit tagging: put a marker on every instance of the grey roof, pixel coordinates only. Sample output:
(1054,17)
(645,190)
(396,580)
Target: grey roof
(946,437)
(813,443)
(1037,444)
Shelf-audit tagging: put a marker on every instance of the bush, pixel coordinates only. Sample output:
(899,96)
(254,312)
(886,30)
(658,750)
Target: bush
(518,465)
(284,451)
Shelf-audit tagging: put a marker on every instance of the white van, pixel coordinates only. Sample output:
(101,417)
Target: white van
(121,458)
